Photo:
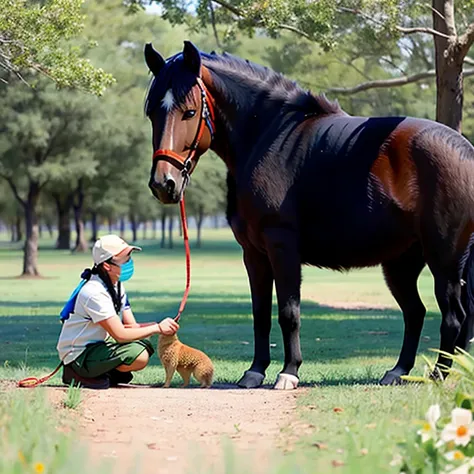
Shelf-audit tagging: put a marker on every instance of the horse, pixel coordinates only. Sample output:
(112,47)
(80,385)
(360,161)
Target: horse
(310,184)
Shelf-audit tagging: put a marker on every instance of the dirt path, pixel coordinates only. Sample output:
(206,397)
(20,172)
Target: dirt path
(155,430)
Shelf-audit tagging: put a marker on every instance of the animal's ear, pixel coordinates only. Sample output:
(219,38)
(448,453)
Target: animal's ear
(192,58)
(153,59)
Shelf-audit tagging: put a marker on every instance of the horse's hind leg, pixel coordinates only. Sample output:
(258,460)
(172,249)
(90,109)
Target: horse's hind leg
(448,294)
(401,276)
(284,256)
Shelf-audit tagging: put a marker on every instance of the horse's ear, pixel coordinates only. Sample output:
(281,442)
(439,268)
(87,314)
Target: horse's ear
(192,58)
(153,59)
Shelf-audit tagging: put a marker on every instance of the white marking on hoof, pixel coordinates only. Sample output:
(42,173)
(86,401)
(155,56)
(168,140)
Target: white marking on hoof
(286,382)
(168,100)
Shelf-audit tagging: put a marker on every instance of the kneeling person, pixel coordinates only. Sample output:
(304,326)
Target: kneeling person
(100,342)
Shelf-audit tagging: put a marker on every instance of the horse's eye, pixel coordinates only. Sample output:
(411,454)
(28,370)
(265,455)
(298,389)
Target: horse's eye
(189,114)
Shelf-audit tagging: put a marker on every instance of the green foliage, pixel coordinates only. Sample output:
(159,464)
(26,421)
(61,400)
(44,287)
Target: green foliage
(33,36)
(73,397)
(47,134)
(29,439)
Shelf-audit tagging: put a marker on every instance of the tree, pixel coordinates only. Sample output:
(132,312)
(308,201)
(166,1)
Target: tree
(44,138)
(206,194)
(378,25)
(32,37)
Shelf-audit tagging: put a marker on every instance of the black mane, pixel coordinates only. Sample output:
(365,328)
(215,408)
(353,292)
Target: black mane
(248,78)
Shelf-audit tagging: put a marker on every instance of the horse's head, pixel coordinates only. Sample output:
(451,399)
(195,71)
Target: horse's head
(180,109)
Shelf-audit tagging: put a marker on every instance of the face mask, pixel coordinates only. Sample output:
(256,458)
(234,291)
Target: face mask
(126,271)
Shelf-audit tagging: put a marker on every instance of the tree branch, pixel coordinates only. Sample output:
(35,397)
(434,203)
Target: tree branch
(401,29)
(14,189)
(467,39)
(229,7)
(214,27)
(241,14)
(294,30)
(420,29)
(397,81)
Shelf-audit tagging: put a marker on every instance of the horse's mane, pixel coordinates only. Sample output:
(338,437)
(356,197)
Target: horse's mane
(235,77)
(277,86)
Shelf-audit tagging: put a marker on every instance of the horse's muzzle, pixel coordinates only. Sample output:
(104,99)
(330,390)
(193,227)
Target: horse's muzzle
(165,192)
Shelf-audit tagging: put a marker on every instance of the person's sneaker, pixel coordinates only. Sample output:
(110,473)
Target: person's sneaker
(117,377)
(98,383)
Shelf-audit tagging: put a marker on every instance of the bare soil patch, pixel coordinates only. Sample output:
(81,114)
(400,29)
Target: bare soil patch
(156,430)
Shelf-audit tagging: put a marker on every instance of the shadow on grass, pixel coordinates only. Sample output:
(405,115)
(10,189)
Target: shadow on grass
(223,329)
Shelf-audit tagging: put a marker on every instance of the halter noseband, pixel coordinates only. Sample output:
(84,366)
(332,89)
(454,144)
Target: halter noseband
(186,165)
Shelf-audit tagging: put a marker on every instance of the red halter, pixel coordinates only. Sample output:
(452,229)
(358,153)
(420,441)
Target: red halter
(186,165)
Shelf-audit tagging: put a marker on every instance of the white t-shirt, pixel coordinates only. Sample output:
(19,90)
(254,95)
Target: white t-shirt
(93,304)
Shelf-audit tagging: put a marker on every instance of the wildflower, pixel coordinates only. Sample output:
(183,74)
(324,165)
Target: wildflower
(39,468)
(428,430)
(397,460)
(21,457)
(455,456)
(460,429)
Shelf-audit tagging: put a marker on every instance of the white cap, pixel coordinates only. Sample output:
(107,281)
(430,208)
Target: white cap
(110,246)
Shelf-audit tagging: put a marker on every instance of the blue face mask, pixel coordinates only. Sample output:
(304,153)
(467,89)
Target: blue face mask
(126,270)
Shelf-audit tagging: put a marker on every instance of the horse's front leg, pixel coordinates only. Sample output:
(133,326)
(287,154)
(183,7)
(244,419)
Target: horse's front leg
(282,248)
(261,285)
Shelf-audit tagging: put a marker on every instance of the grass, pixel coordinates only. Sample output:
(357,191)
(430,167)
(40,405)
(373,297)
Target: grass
(351,334)
(73,397)
(30,440)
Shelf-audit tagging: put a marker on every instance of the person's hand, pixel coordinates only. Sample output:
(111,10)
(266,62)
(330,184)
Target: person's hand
(168,327)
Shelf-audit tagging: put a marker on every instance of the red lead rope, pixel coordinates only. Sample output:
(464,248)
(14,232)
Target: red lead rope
(31,382)
(188,259)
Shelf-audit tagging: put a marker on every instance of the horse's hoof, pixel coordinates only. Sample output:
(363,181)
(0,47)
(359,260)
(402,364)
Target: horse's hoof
(392,378)
(286,382)
(251,379)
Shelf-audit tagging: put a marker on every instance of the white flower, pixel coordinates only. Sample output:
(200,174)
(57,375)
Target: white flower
(455,456)
(460,429)
(428,431)
(464,469)
(397,460)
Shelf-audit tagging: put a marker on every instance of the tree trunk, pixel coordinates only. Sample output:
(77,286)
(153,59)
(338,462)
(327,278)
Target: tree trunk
(122,227)
(145,227)
(199,220)
(13,232)
(163,229)
(30,254)
(49,226)
(449,63)
(63,209)
(81,242)
(111,225)
(216,221)
(133,223)
(94,226)
(19,230)
(155,226)
(170,232)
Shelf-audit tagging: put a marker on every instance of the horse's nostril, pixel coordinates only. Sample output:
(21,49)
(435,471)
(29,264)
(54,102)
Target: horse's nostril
(170,185)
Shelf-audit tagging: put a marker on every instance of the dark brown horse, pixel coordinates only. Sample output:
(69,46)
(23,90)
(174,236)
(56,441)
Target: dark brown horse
(309,184)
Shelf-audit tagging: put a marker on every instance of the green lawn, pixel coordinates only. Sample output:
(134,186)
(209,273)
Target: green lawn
(351,333)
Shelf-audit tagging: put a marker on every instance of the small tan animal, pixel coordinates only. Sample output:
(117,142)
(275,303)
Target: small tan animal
(175,355)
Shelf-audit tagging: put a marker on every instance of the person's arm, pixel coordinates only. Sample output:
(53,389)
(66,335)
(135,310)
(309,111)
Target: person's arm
(129,320)
(120,333)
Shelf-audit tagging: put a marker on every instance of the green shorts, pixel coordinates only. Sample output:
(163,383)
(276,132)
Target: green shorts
(102,357)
